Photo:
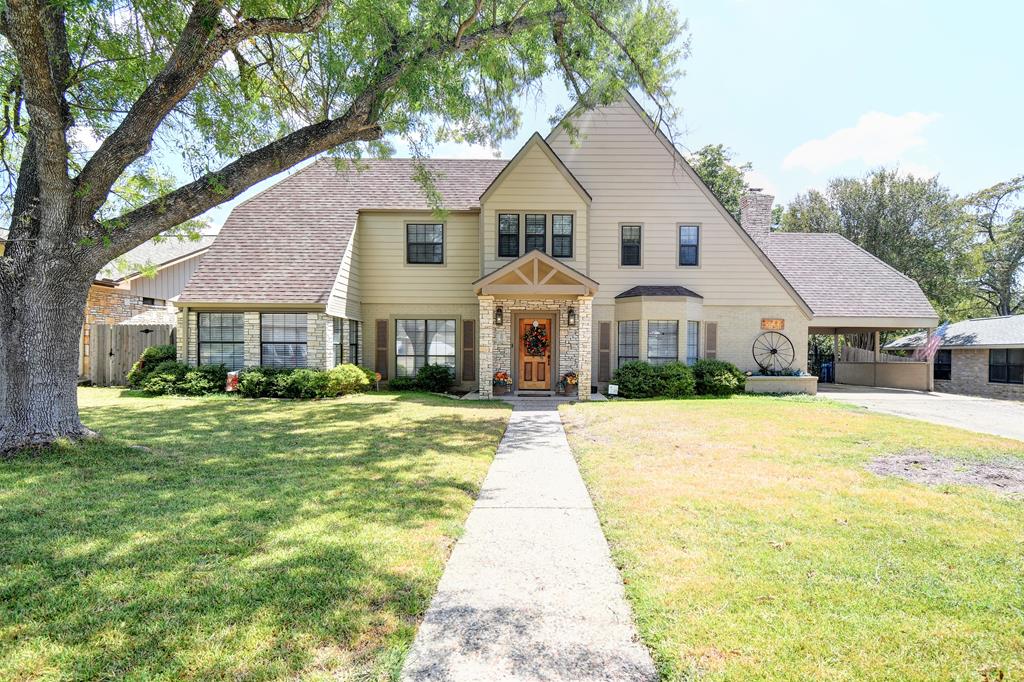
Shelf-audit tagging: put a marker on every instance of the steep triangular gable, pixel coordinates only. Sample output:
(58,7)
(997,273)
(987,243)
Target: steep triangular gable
(535,273)
(536,142)
(705,191)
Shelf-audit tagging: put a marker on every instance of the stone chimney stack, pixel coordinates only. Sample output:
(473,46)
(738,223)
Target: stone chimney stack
(756,214)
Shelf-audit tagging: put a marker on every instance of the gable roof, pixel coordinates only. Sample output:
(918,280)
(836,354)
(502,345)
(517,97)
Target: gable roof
(653,290)
(161,254)
(540,143)
(983,332)
(527,280)
(837,278)
(285,245)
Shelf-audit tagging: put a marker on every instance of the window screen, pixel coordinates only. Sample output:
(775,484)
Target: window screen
(629,341)
(561,235)
(424,243)
(630,245)
(692,342)
(536,232)
(508,235)
(283,339)
(423,342)
(689,242)
(943,368)
(662,341)
(222,340)
(1006,365)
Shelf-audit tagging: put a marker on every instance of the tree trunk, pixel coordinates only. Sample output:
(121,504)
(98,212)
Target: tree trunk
(41,311)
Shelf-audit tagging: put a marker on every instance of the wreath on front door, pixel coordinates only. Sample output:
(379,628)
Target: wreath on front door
(535,341)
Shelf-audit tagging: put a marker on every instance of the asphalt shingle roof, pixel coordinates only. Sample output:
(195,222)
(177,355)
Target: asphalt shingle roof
(837,278)
(977,333)
(648,290)
(285,245)
(153,253)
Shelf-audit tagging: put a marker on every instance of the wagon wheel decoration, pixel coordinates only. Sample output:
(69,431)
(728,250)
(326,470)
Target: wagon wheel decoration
(773,352)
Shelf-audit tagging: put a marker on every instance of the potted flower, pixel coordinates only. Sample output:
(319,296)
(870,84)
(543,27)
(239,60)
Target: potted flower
(569,384)
(501,382)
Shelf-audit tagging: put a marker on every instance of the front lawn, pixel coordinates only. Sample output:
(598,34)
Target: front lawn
(756,546)
(218,538)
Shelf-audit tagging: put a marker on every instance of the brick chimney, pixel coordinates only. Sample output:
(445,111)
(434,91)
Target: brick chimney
(756,214)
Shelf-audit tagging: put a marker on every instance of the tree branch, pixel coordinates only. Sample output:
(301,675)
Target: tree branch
(202,43)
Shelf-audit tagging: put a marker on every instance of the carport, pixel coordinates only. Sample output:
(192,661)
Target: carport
(859,359)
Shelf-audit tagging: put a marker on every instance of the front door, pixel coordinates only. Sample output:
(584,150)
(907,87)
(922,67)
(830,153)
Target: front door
(535,341)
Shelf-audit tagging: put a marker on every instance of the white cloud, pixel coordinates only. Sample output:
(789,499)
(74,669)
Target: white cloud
(918,170)
(756,178)
(876,139)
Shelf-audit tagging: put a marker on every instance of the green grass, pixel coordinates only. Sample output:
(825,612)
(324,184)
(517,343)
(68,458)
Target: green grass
(248,540)
(755,546)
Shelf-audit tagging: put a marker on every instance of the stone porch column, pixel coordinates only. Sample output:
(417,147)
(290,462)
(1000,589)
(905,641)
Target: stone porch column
(585,326)
(486,350)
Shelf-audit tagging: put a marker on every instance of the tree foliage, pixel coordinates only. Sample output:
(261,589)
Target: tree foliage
(915,225)
(713,163)
(996,216)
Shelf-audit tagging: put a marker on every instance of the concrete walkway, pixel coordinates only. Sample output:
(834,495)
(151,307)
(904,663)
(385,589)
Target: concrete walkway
(530,592)
(985,415)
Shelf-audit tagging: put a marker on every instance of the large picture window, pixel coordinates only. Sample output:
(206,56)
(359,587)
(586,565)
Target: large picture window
(689,244)
(508,235)
(692,342)
(536,232)
(283,340)
(630,244)
(943,368)
(222,340)
(629,341)
(662,341)
(561,235)
(1006,366)
(423,342)
(424,243)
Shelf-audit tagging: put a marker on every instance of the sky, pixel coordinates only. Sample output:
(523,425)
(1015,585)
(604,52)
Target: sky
(808,90)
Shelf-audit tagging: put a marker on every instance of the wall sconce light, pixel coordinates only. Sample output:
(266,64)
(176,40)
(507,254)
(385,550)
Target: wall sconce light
(572,317)
(499,316)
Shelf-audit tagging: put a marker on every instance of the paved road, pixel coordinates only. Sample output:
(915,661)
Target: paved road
(985,415)
(530,591)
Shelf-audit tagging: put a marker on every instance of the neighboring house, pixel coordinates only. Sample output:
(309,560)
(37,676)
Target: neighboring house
(982,357)
(140,286)
(612,246)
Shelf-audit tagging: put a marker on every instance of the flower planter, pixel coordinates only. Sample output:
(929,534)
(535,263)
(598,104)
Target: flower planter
(570,390)
(500,389)
(805,384)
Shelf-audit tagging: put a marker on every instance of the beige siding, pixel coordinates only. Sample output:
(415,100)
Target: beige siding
(167,283)
(385,277)
(534,185)
(633,178)
(345,298)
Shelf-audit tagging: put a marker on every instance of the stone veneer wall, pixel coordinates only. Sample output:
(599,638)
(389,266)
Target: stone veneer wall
(970,376)
(108,305)
(496,343)
(319,339)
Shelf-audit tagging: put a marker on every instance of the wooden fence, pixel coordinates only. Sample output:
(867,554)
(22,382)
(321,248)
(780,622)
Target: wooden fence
(114,348)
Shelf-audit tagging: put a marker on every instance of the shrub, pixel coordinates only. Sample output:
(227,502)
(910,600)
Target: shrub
(165,378)
(435,378)
(254,383)
(347,379)
(203,380)
(676,380)
(637,379)
(371,375)
(717,377)
(302,384)
(148,361)
(402,384)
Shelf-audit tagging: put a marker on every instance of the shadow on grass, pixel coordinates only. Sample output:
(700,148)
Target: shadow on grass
(244,539)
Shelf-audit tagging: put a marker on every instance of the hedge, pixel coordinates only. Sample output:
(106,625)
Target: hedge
(638,379)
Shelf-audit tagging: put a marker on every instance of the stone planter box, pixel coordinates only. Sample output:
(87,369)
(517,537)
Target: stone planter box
(802,384)
(570,390)
(500,389)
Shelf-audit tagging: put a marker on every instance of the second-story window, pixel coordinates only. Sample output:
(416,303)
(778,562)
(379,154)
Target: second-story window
(561,235)
(508,235)
(630,245)
(536,232)
(689,244)
(424,243)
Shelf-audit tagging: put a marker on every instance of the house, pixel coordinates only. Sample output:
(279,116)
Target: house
(140,286)
(984,356)
(576,255)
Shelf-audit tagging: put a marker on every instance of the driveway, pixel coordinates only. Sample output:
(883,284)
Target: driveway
(984,415)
